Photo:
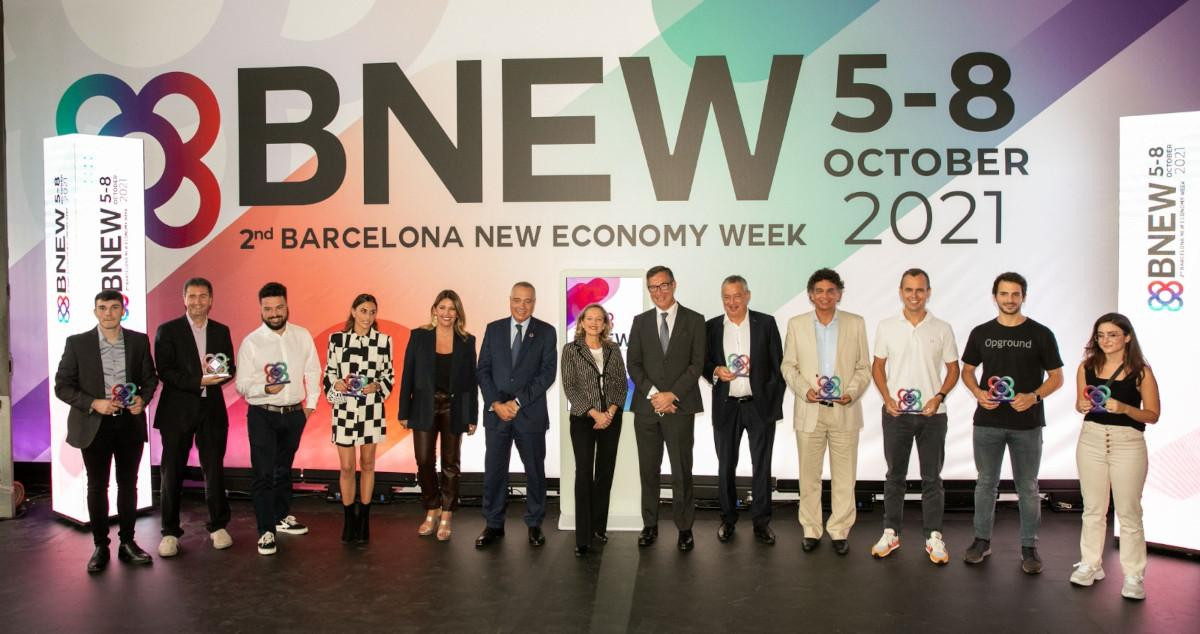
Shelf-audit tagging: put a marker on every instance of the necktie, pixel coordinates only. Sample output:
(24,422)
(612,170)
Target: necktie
(664,334)
(516,345)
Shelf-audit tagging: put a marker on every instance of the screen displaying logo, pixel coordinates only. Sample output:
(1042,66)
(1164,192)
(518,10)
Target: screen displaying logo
(183,158)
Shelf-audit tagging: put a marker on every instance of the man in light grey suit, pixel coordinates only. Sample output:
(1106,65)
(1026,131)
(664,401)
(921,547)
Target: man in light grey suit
(665,358)
(827,347)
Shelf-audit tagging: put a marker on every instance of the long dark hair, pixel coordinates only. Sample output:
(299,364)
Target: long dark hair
(358,301)
(1135,363)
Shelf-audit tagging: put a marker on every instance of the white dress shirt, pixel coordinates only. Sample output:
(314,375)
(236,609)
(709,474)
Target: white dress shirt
(671,313)
(736,340)
(293,346)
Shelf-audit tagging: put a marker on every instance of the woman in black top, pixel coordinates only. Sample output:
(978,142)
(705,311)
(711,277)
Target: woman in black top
(439,396)
(1118,395)
(594,380)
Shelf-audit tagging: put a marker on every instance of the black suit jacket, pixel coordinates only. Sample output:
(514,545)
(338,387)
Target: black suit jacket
(526,381)
(766,379)
(417,382)
(180,368)
(80,380)
(677,371)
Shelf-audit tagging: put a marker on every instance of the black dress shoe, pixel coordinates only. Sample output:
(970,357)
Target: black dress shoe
(647,536)
(841,546)
(582,551)
(765,535)
(488,536)
(131,553)
(536,538)
(725,532)
(601,536)
(686,542)
(99,560)
(809,544)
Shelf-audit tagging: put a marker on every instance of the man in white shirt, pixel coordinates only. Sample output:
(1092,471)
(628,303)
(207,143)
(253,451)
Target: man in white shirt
(280,377)
(915,366)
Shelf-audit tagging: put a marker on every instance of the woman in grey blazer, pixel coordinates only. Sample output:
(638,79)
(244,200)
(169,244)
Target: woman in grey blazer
(595,382)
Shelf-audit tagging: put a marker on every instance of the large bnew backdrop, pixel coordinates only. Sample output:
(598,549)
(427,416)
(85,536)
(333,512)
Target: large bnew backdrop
(402,148)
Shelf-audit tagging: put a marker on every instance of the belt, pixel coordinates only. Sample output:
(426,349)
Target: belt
(741,399)
(281,409)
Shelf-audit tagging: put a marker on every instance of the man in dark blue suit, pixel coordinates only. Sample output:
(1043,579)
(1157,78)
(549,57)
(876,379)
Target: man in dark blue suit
(517,364)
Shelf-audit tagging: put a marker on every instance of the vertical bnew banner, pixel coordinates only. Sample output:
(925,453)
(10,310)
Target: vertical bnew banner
(95,240)
(1156,178)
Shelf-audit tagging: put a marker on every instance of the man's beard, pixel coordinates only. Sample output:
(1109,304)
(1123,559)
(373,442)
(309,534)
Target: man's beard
(274,327)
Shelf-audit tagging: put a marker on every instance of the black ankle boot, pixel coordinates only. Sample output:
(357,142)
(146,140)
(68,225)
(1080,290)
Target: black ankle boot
(349,523)
(364,523)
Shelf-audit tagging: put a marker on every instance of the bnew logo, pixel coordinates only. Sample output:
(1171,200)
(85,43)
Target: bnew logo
(183,158)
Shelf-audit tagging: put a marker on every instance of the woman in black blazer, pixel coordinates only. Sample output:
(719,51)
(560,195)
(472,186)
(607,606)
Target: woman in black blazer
(595,382)
(439,396)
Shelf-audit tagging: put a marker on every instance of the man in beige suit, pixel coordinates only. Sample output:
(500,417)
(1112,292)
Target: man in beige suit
(827,348)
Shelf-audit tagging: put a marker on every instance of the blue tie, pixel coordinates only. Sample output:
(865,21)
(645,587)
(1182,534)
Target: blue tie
(516,346)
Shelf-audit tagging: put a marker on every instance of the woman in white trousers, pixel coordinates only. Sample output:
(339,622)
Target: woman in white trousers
(1118,395)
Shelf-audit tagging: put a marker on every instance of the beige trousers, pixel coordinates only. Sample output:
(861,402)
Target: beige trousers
(843,469)
(1113,458)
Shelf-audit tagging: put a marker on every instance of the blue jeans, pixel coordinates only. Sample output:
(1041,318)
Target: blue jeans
(1025,455)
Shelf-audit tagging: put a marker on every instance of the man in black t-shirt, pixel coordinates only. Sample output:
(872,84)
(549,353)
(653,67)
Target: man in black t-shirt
(1021,366)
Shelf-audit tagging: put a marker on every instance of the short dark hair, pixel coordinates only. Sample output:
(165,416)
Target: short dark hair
(522,284)
(1009,276)
(108,295)
(272,289)
(736,279)
(197,281)
(655,270)
(825,275)
(913,272)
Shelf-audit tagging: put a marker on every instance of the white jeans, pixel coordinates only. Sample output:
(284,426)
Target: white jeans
(1113,458)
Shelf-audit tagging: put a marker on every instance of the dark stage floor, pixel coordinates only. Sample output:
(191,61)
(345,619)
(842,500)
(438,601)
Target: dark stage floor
(402,582)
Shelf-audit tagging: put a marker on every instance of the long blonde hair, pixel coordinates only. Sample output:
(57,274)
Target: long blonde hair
(581,334)
(460,315)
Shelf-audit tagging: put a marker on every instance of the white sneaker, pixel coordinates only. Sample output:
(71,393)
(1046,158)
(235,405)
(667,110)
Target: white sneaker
(169,546)
(886,544)
(290,526)
(1133,588)
(221,539)
(266,544)
(1086,575)
(936,547)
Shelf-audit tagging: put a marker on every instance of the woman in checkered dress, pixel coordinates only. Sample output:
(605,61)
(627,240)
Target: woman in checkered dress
(358,377)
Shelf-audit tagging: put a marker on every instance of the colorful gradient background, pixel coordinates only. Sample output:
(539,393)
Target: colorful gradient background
(1077,66)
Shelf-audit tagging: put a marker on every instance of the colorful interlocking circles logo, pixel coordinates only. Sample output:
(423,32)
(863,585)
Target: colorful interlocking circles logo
(64,309)
(183,158)
(1165,295)
(1000,389)
(829,388)
(123,393)
(739,364)
(355,384)
(910,401)
(277,373)
(1098,395)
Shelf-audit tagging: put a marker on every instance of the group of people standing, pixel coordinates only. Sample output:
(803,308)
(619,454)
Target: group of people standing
(1009,364)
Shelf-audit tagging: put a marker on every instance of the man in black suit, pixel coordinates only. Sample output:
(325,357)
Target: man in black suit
(742,363)
(194,355)
(517,364)
(665,358)
(95,366)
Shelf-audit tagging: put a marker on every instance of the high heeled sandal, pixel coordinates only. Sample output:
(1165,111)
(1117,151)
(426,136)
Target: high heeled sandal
(427,526)
(444,531)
